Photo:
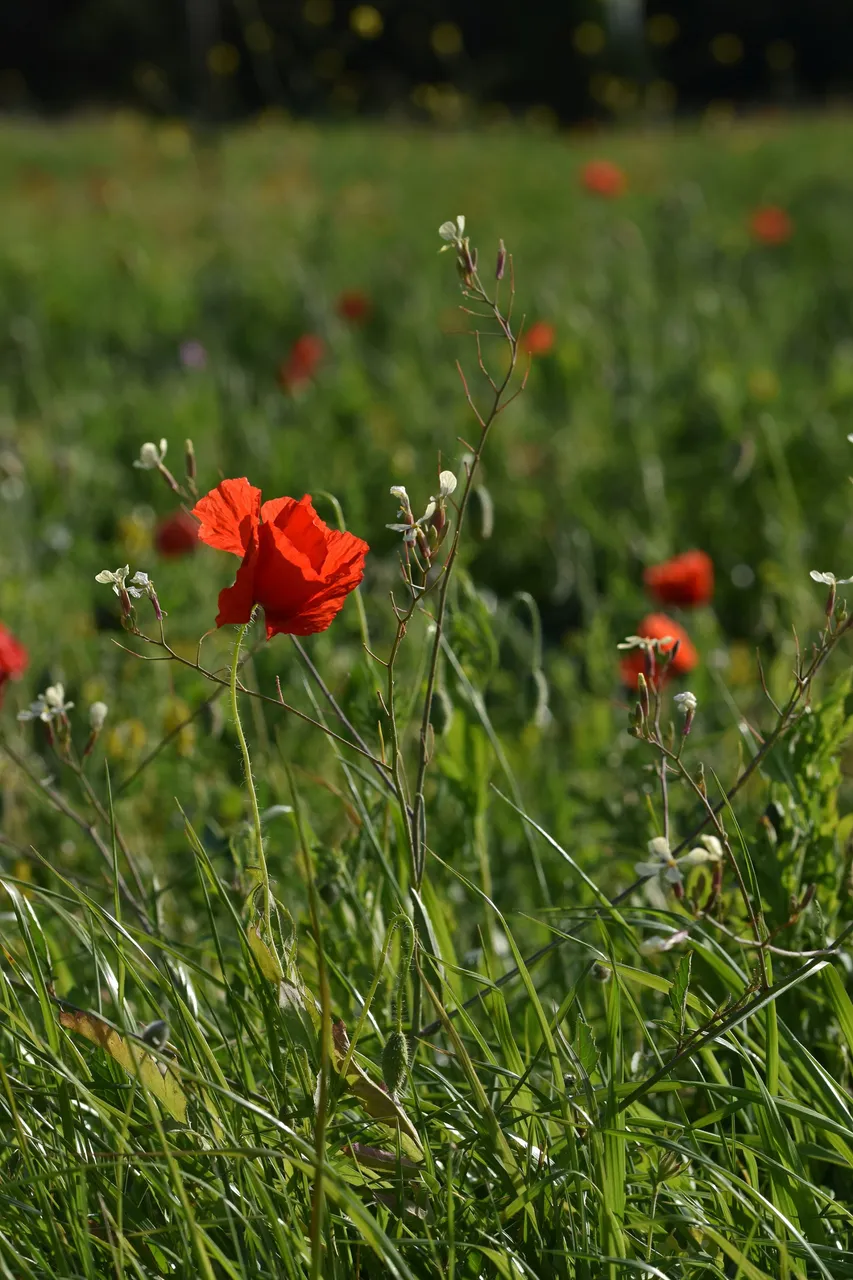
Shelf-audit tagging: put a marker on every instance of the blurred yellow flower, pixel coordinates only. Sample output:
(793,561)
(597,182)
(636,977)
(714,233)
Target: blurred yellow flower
(135,533)
(125,740)
(763,385)
(175,715)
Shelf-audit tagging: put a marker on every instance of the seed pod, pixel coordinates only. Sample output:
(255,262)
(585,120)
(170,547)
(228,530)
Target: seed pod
(501,262)
(395,1062)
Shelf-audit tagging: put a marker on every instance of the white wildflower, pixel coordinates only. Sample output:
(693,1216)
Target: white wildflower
(686,702)
(48,706)
(117,579)
(829,579)
(661,864)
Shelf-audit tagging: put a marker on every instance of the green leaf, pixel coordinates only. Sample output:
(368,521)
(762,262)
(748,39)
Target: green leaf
(678,991)
(585,1047)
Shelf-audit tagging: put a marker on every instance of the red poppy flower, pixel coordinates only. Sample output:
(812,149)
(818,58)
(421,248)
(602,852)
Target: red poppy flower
(301,364)
(354,306)
(13,658)
(604,178)
(657,626)
(771,225)
(538,340)
(177,535)
(687,579)
(294,566)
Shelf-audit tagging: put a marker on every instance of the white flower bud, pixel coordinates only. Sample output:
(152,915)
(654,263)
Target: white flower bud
(97,715)
(399,491)
(150,456)
(686,702)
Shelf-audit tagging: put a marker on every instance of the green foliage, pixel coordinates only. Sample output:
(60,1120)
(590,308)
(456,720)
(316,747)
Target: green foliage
(547,1084)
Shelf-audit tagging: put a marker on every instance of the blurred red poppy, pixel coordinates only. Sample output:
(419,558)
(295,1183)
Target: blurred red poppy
(293,565)
(657,626)
(604,178)
(687,579)
(354,305)
(771,224)
(177,535)
(538,340)
(13,658)
(301,364)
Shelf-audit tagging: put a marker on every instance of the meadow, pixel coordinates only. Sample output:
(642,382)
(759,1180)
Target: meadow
(404,1005)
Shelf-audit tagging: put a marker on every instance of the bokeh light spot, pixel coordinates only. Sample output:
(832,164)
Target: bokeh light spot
(318,12)
(223,59)
(589,39)
(446,39)
(662,29)
(259,37)
(366,22)
(727,49)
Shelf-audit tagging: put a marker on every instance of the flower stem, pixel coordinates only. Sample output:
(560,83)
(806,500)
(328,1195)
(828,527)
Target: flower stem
(247,765)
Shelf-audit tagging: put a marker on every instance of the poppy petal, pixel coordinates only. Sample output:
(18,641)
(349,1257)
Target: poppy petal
(237,601)
(229,514)
(304,529)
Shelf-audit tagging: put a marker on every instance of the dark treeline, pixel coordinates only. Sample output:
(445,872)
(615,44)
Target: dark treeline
(438,58)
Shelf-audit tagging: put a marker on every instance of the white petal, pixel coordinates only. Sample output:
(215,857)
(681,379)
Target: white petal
(447,483)
(659,847)
(647,868)
(695,858)
(828,578)
(673,875)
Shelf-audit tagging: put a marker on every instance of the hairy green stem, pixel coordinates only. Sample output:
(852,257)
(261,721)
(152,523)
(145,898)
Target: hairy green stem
(253,796)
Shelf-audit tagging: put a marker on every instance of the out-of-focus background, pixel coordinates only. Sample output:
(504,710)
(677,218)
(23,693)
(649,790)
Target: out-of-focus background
(441,61)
